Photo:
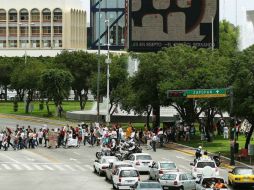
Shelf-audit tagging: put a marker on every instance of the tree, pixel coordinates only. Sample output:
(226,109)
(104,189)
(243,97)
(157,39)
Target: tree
(25,77)
(81,65)
(243,86)
(6,68)
(56,85)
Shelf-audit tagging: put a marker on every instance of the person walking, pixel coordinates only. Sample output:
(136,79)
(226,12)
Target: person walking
(225,132)
(154,141)
(1,139)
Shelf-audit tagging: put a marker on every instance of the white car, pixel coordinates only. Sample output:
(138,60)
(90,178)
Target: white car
(111,170)
(141,161)
(125,178)
(159,168)
(198,167)
(178,180)
(102,164)
(209,183)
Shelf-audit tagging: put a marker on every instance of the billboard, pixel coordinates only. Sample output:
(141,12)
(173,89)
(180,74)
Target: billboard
(154,24)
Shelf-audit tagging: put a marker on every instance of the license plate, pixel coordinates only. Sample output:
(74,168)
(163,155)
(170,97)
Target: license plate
(145,164)
(165,187)
(129,181)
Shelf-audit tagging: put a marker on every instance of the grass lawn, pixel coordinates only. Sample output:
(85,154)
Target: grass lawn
(7,108)
(217,145)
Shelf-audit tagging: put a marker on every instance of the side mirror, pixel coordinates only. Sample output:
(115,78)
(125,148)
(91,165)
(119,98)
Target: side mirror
(96,160)
(191,164)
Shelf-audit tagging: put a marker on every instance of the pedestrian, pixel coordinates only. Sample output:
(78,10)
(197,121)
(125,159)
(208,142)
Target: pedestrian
(1,139)
(161,135)
(148,140)
(154,141)
(225,132)
(40,136)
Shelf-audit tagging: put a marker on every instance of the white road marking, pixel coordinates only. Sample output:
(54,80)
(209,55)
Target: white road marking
(49,168)
(6,167)
(59,167)
(79,167)
(27,167)
(9,158)
(29,159)
(16,166)
(89,167)
(68,166)
(38,167)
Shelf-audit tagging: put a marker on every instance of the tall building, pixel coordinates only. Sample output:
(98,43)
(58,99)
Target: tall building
(42,24)
(114,11)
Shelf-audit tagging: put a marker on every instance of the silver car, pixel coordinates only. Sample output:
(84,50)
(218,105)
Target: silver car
(111,170)
(178,180)
(147,185)
(159,168)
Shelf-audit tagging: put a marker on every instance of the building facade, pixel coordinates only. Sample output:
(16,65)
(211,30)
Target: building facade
(47,24)
(115,12)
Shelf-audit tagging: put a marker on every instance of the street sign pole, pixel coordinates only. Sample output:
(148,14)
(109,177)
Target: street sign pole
(232,127)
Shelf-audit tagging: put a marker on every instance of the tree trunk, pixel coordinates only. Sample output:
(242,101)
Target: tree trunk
(47,105)
(149,110)
(76,95)
(5,92)
(247,142)
(27,105)
(156,116)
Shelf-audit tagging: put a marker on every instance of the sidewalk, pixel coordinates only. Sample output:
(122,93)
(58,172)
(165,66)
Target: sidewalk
(191,151)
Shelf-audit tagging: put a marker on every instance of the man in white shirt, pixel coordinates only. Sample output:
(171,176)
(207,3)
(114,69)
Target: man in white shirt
(154,140)
(225,132)
(40,136)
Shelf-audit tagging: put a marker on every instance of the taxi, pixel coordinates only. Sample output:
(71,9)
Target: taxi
(241,176)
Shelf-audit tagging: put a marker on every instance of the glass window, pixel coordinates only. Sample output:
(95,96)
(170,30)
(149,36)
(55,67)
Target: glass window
(23,31)
(57,30)
(143,157)
(150,185)
(57,15)
(46,30)
(168,166)
(2,43)
(35,30)
(183,177)
(12,43)
(13,15)
(46,43)
(57,43)
(2,15)
(35,43)
(24,43)
(23,15)
(204,164)
(244,171)
(12,31)
(35,15)
(2,31)
(46,15)
(129,173)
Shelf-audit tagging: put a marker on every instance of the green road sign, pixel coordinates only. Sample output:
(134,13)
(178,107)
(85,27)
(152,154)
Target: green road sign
(206,93)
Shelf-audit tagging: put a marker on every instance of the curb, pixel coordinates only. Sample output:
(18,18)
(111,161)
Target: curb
(223,165)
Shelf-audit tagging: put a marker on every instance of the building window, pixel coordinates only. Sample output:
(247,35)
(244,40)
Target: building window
(57,15)
(58,30)
(46,30)
(35,15)
(46,43)
(13,31)
(58,43)
(35,43)
(2,15)
(13,15)
(12,43)
(24,44)
(23,31)
(23,15)
(2,31)
(35,30)
(2,43)
(46,15)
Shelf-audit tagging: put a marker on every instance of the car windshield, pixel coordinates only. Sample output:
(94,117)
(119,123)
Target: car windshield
(123,165)
(129,173)
(168,177)
(110,160)
(150,185)
(144,157)
(168,166)
(244,171)
(204,164)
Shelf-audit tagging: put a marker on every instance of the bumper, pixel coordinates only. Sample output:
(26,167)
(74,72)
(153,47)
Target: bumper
(124,186)
(170,187)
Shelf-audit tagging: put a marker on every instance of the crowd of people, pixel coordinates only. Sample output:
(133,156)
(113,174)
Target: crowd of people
(91,134)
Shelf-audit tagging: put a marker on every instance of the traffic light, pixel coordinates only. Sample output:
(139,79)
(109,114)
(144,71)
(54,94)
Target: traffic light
(176,93)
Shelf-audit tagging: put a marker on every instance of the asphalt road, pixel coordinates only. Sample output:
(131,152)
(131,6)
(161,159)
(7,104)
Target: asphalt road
(61,168)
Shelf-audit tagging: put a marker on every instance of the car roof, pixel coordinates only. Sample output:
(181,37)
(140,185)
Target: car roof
(120,162)
(243,167)
(166,162)
(108,157)
(177,173)
(127,168)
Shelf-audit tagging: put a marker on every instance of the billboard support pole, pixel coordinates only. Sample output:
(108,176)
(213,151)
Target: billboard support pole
(212,35)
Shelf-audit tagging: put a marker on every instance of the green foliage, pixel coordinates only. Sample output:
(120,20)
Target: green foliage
(56,84)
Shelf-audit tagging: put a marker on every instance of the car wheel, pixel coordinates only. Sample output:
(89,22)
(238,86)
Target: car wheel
(100,173)
(181,188)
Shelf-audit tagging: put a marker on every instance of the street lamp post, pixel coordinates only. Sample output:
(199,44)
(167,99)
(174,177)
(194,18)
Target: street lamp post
(108,61)
(99,66)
